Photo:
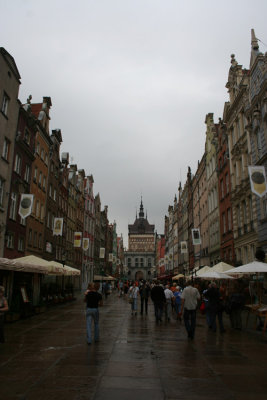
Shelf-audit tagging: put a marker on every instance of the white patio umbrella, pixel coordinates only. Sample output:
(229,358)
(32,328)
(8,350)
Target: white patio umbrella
(203,270)
(254,267)
(221,267)
(215,275)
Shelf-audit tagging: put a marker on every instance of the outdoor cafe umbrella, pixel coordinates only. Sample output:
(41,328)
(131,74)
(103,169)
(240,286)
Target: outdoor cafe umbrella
(215,275)
(254,267)
(221,267)
(202,270)
(177,277)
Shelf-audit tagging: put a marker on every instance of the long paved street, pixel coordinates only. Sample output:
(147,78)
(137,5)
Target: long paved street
(46,357)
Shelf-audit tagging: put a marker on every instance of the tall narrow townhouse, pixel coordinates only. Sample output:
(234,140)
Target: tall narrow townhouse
(63,193)
(257,126)
(71,220)
(54,243)
(225,203)
(89,229)
(39,178)
(20,183)
(80,202)
(9,111)
(183,228)
(190,213)
(97,238)
(243,203)
(175,236)
(212,188)
(200,214)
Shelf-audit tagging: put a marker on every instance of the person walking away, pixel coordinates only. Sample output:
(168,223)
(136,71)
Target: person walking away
(144,292)
(215,307)
(3,309)
(168,304)
(190,297)
(177,302)
(133,294)
(93,299)
(158,298)
(236,303)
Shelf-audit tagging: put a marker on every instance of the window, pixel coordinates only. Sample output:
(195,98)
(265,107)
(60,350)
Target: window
(35,239)
(23,221)
(38,148)
(42,212)
(46,158)
(13,206)
(222,189)
(10,241)
(136,262)
(259,144)
(224,223)
(35,174)
(141,262)
(27,173)
(30,237)
(40,241)
(55,195)
(129,262)
(227,183)
(42,154)
(2,184)
(50,191)
(149,262)
(27,136)
(37,209)
(17,164)
(44,183)
(5,103)
(6,148)
(21,245)
(229,219)
(40,179)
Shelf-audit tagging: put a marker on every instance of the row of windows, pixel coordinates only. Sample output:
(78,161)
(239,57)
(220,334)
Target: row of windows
(10,242)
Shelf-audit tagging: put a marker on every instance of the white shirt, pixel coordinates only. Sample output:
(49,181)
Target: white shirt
(168,294)
(133,292)
(190,296)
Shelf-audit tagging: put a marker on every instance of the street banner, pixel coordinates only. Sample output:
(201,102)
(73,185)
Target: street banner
(196,236)
(58,227)
(184,247)
(25,207)
(85,244)
(258,180)
(77,239)
(110,257)
(102,252)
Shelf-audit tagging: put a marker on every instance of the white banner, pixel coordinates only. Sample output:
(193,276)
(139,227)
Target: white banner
(183,247)
(58,227)
(85,244)
(77,239)
(196,236)
(102,252)
(25,207)
(257,180)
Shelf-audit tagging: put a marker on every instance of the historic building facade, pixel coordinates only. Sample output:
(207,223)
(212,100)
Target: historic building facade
(140,257)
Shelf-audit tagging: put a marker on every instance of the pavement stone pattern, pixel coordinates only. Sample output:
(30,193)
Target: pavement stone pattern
(46,357)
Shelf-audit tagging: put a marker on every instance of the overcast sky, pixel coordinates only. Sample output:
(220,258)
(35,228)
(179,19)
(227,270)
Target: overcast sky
(131,82)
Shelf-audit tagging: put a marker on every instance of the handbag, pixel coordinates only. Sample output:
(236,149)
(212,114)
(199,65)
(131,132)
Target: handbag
(202,307)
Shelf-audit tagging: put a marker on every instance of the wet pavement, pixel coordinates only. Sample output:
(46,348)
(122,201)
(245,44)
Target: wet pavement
(46,357)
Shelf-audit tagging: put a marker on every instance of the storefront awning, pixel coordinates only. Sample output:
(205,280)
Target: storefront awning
(14,265)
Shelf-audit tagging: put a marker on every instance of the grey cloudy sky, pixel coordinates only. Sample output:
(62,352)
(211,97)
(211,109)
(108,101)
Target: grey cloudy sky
(131,82)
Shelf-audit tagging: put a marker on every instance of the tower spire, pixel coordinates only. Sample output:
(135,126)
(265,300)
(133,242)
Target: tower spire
(141,213)
(254,48)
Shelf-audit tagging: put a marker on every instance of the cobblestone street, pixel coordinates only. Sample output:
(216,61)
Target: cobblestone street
(47,357)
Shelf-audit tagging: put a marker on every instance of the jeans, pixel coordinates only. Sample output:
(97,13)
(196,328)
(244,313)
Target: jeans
(92,314)
(190,322)
(158,310)
(213,314)
(134,304)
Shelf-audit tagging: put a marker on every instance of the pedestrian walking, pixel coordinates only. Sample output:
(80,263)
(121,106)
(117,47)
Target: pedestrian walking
(93,299)
(169,296)
(3,309)
(144,292)
(158,298)
(133,296)
(215,307)
(177,302)
(190,297)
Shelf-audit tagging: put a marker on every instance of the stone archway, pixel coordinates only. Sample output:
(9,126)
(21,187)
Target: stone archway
(139,275)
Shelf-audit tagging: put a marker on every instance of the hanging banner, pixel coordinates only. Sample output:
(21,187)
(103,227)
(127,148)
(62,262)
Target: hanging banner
(196,236)
(183,247)
(58,227)
(77,239)
(110,257)
(85,244)
(25,207)
(258,180)
(102,252)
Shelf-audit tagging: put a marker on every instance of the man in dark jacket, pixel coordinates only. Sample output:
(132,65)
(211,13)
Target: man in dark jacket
(144,292)
(215,307)
(158,298)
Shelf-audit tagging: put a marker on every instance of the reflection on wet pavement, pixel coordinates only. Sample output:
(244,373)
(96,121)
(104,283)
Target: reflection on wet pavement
(46,357)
